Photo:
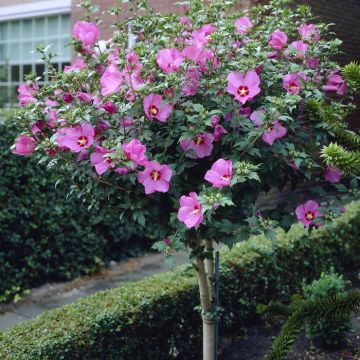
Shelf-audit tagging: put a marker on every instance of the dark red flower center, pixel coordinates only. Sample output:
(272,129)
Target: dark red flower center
(155,175)
(108,160)
(310,216)
(293,86)
(199,140)
(243,90)
(196,209)
(82,141)
(153,110)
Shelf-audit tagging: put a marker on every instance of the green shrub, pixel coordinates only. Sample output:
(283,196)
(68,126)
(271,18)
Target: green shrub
(44,236)
(328,332)
(157,314)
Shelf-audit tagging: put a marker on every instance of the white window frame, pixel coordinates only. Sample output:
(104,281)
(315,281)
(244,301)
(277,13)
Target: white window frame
(21,12)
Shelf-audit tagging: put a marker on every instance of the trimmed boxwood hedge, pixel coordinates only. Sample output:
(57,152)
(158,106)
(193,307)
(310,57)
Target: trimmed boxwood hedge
(155,318)
(45,236)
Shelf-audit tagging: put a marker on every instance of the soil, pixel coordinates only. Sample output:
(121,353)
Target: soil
(259,339)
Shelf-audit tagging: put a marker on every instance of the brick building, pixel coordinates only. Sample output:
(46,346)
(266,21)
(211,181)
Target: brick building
(25,23)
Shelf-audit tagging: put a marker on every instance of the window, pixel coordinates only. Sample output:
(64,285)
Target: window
(18,39)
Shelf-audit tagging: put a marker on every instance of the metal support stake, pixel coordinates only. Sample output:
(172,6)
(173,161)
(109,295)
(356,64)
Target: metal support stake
(217,293)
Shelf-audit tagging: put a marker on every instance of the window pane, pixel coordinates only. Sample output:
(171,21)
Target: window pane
(53,25)
(3,95)
(63,65)
(14,30)
(39,28)
(27,29)
(27,48)
(65,24)
(64,50)
(2,53)
(40,68)
(27,70)
(3,73)
(13,94)
(14,52)
(15,73)
(3,30)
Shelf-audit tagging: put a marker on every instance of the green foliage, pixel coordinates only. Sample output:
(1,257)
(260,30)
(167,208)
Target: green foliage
(120,323)
(328,332)
(351,73)
(338,306)
(44,235)
(336,156)
(256,169)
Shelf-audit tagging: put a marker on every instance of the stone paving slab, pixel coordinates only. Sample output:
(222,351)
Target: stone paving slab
(10,319)
(28,310)
(52,296)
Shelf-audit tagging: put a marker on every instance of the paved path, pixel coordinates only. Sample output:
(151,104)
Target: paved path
(51,296)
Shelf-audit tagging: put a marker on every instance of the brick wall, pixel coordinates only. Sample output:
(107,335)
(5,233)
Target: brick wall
(164,6)
(104,5)
(345,14)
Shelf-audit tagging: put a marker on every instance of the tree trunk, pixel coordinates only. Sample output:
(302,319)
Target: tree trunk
(205,271)
(208,339)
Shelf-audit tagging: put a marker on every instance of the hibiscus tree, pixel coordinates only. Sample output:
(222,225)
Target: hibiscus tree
(187,128)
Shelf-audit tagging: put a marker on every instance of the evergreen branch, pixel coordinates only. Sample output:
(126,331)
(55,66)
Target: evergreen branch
(348,161)
(318,111)
(288,334)
(313,311)
(351,73)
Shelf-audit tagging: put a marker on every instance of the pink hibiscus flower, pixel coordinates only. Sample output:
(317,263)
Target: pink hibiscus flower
(101,160)
(309,32)
(155,177)
(335,83)
(135,151)
(220,173)
(258,117)
(333,175)
(78,65)
(126,122)
(169,60)
(205,58)
(86,32)
(76,138)
(190,211)
(191,82)
(312,63)
(24,145)
(292,83)
(155,109)
(109,107)
(84,97)
(308,212)
(68,98)
(111,80)
(219,131)
(202,36)
(296,50)
(243,86)
(200,146)
(243,25)
(26,95)
(276,131)
(278,40)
